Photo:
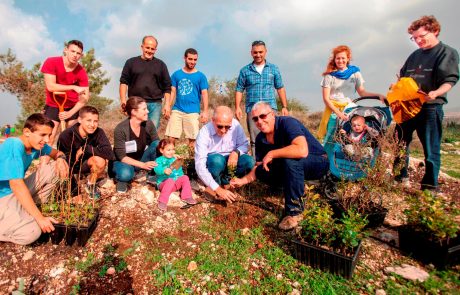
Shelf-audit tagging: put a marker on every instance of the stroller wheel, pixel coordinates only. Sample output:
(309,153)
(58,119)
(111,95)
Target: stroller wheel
(329,186)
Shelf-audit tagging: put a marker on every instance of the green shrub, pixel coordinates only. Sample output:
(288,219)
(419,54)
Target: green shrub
(433,215)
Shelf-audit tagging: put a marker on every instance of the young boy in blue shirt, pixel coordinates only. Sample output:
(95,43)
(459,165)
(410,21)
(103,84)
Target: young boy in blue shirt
(21,221)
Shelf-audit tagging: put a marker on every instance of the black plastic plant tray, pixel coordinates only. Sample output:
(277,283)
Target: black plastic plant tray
(326,260)
(71,233)
(421,248)
(375,218)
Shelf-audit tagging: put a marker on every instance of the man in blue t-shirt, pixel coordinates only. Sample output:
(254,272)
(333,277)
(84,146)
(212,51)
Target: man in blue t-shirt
(21,222)
(188,87)
(287,154)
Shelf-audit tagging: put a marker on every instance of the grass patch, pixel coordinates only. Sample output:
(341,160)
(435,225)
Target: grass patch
(251,263)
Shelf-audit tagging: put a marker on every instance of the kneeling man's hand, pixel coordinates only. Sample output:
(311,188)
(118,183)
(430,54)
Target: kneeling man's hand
(226,195)
(46,224)
(232,159)
(237,182)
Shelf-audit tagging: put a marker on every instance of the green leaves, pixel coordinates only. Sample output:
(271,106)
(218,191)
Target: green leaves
(433,215)
(321,229)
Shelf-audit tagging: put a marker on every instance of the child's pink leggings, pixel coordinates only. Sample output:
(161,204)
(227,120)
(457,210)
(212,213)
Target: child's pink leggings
(169,186)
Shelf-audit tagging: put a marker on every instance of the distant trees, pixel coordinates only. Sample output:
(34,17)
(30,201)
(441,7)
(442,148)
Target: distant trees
(29,87)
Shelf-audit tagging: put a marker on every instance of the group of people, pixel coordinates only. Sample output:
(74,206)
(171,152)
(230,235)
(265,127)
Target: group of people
(280,151)
(7,130)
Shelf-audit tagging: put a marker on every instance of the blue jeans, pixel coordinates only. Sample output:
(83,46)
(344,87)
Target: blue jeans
(217,166)
(290,174)
(125,172)
(428,124)
(154,112)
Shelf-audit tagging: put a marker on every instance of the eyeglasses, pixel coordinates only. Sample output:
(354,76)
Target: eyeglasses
(223,126)
(261,116)
(413,38)
(258,42)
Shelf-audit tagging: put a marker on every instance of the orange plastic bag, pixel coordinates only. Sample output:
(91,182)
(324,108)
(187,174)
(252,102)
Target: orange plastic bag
(405,99)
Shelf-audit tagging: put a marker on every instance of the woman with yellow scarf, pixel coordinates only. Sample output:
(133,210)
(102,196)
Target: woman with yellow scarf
(341,81)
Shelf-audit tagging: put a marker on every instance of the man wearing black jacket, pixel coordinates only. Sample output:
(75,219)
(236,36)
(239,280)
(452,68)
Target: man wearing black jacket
(87,148)
(434,66)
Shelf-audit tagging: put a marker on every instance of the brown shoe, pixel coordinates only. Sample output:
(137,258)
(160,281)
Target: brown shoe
(290,222)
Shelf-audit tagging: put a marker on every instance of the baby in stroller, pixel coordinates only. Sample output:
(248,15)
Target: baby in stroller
(355,141)
(356,148)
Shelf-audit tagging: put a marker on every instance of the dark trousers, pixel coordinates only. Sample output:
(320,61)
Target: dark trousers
(290,174)
(428,124)
(125,172)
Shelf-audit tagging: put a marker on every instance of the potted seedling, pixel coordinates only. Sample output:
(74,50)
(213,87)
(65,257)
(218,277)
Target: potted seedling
(327,243)
(362,197)
(431,233)
(77,216)
(187,155)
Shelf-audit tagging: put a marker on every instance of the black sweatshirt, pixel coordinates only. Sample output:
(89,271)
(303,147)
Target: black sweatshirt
(431,68)
(97,144)
(148,79)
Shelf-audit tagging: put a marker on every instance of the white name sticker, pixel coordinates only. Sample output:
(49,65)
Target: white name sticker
(131,146)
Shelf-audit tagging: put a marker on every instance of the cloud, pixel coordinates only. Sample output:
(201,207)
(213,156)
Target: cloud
(299,35)
(25,34)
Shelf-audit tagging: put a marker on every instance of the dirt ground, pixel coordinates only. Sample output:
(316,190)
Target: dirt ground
(131,224)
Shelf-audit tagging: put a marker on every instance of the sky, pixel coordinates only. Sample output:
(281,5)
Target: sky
(299,37)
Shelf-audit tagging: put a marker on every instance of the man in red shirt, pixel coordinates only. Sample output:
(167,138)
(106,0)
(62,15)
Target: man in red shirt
(65,74)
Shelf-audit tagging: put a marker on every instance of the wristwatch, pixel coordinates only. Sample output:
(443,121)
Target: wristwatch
(237,151)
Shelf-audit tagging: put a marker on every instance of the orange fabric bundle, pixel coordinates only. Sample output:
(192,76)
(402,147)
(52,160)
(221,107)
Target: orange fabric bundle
(405,99)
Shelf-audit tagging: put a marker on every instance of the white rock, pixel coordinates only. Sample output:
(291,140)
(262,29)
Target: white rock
(107,183)
(295,292)
(279,277)
(380,292)
(28,255)
(57,271)
(111,270)
(408,272)
(245,231)
(192,266)
(147,195)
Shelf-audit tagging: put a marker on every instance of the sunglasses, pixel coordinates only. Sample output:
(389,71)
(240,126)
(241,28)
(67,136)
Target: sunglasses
(261,116)
(223,126)
(258,42)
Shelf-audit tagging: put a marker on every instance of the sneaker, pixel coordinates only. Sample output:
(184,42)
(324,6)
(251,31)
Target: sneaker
(290,222)
(190,201)
(152,180)
(93,191)
(140,176)
(162,206)
(122,187)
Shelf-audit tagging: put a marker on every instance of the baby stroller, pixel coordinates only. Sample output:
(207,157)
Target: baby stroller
(341,164)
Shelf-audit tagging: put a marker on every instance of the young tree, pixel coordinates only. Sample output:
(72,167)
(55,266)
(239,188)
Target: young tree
(29,87)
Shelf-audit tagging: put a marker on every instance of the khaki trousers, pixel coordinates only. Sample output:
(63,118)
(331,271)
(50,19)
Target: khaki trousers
(16,224)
